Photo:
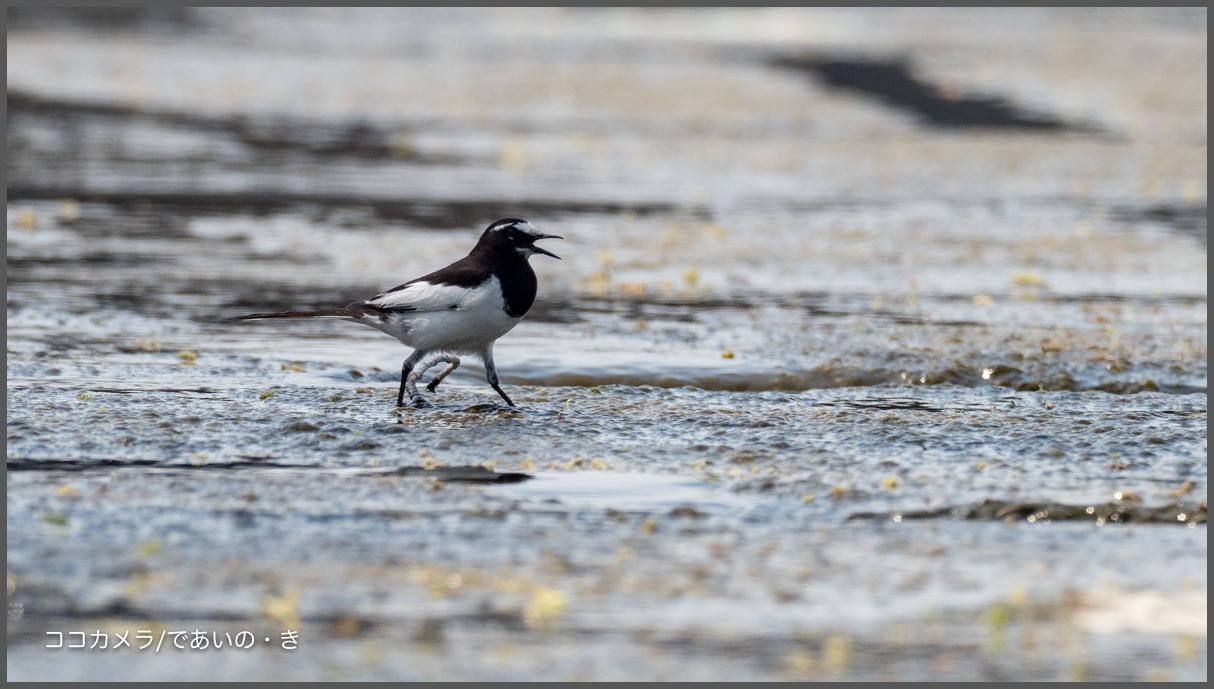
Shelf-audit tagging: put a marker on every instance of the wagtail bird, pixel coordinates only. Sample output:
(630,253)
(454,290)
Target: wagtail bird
(461,309)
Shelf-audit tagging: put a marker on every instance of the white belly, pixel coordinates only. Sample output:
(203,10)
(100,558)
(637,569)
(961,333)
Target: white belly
(450,331)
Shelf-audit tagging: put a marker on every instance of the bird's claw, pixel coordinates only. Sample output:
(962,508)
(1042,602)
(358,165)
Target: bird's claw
(419,402)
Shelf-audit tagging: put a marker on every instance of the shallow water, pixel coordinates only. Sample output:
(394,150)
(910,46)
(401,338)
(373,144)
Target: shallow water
(830,384)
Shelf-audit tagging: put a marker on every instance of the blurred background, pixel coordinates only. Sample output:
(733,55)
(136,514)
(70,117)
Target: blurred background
(822,267)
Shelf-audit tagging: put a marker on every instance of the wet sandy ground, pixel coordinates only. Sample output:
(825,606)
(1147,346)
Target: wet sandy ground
(878,349)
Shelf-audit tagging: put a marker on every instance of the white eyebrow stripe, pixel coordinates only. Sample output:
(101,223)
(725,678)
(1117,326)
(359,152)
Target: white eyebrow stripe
(521,225)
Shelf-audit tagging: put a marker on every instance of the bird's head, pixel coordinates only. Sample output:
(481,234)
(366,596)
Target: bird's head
(517,236)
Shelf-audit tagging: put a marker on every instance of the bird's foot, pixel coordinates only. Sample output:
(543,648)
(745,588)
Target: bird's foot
(419,402)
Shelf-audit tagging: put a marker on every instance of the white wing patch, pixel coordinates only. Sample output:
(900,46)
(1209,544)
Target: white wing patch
(421,316)
(423,296)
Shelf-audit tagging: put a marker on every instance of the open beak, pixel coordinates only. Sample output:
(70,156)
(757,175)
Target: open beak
(546,252)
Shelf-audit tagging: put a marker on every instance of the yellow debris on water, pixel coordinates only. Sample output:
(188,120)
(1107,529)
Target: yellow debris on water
(1126,496)
(1194,191)
(727,354)
(598,282)
(997,616)
(429,461)
(67,491)
(1026,278)
(545,606)
(1018,596)
(403,148)
(837,652)
(283,609)
(148,548)
(1052,346)
(146,345)
(890,482)
(344,627)
(799,662)
(691,277)
(26,219)
(514,153)
(1185,488)
(69,211)
(187,356)
(266,395)
(1187,647)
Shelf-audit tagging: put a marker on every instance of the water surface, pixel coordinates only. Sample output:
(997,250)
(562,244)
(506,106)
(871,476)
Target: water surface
(836,380)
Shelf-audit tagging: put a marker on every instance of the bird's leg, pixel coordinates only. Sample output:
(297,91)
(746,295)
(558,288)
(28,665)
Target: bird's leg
(452,364)
(415,376)
(405,370)
(491,374)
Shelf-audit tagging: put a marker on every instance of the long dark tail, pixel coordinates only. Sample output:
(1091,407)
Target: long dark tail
(344,312)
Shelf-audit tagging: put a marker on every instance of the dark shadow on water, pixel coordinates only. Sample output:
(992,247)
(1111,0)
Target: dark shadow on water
(86,136)
(894,83)
(444,214)
(458,474)
(902,404)
(1191,220)
(79,121)
(105,19)
(1121,512)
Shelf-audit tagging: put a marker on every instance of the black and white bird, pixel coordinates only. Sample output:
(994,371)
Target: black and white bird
(461,309)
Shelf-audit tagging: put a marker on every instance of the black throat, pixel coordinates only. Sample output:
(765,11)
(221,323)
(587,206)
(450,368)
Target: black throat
(516,277)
